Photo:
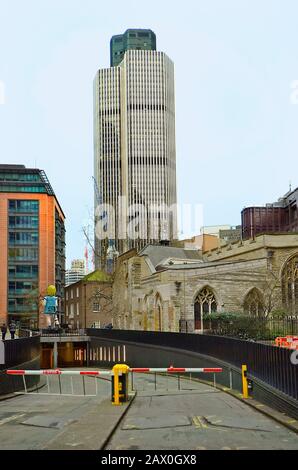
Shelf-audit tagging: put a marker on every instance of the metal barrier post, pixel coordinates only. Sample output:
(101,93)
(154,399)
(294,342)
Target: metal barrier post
(231,379)
(244,382)
(25,385)
(119,384)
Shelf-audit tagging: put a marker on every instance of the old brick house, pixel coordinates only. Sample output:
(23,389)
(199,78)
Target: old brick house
(88,302)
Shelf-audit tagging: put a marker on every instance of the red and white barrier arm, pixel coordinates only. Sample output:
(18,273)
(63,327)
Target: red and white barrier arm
(176,369)
(58,372)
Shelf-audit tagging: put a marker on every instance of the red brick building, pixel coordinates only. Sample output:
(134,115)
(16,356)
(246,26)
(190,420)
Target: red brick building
(88,302)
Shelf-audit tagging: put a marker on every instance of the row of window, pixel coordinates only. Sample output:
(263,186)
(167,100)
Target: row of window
(23,305)
(23,221)
(38,188)
(70,309)
(23,238)
(19,177)
(72,293)
(23,272)
(23,205)
(22,254)
(21,287)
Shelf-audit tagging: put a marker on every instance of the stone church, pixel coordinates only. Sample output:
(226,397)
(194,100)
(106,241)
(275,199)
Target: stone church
(163,288)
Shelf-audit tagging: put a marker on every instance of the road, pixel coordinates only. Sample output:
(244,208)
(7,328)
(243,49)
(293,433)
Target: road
(33,421)
(166,414)
(197,418)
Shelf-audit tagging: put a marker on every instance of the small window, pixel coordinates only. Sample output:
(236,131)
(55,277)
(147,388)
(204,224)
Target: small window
(96,307)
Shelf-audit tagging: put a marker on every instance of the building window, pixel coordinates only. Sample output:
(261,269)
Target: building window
(96,307)
(78,309)
(78,292)
(253,303)
(66,295)
(71,294)
(205,303)
(290,285)
(71,311)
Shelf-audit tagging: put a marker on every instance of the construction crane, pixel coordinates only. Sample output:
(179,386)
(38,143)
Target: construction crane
(110,252)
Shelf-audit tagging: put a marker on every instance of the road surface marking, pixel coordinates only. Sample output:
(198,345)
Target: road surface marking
(11,418)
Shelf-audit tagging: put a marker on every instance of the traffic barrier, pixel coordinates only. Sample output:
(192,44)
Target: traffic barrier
(290,342)
(58,372)
(176,369)
(119,375)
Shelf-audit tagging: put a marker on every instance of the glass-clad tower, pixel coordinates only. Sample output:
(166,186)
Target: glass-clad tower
(135,154)
(132,39)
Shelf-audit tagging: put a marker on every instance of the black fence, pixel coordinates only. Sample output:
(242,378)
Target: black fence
(252,328)
(270,364)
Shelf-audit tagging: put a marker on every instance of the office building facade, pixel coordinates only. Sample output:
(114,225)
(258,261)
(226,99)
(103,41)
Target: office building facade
(76,272)
(135,154)
(32,245)
(276,217)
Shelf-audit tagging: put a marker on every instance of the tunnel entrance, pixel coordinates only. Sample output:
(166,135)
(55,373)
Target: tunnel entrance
(69,355)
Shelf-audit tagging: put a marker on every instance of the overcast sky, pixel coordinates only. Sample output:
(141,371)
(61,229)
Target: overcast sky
(236,126)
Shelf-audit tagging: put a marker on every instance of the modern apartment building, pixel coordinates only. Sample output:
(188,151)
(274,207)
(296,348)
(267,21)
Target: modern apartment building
(32,245)
(135,154)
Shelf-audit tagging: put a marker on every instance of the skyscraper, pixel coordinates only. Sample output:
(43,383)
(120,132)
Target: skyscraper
(132,39)
(32,244)
(76,272)
(134,138)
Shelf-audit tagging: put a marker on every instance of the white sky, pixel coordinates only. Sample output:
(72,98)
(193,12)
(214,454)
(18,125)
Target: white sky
(235,60)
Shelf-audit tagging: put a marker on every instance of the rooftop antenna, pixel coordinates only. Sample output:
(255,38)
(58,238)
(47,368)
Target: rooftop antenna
(290,185)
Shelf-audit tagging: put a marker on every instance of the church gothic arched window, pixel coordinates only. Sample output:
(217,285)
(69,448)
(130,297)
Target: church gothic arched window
(254,303)
(205,303)
(290,285)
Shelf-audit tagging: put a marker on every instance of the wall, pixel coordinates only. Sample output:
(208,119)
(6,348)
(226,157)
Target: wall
(23,353)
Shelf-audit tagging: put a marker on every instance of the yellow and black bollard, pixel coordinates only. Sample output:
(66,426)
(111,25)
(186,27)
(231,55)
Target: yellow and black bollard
(120,384)
(244,382)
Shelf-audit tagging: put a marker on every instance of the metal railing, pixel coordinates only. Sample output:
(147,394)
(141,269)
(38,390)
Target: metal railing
(270,364)
(63,332)
(170,379)
(257,329)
